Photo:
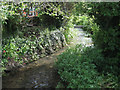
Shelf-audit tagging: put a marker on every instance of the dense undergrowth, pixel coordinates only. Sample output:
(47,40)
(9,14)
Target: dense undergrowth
(27,39)
(24,44)
(96,67)
(29,45)
(80,67)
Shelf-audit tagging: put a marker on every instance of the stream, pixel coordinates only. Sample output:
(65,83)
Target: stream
(42,73)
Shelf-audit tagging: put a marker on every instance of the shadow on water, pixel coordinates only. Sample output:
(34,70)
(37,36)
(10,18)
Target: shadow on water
(37,77)
(39,74)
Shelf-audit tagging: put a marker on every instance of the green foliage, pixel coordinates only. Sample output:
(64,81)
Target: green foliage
(60,85)
(12,26)
(68,30)
(54,13)
(102,61)
(104,64)
(14,49)
(98,8)
(50,15)
(87,22)
(109,42)
(107,19)
(50,21)
(78,68)
(106,15)
(18,48)
(23,45)
(29,45)
(9,9)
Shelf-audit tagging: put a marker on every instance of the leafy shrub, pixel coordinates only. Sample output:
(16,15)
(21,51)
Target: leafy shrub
(21,50)
(88,23)
(30,44)
(12,25)
(107,37)
(14,49)
(78,68)
(68,30)
(109,42)
(103,64)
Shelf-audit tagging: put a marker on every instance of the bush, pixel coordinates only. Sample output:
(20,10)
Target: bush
(15,49)
(11,25)
(28,45)
(69,31)
(88,23)
(107,37)
(78,68)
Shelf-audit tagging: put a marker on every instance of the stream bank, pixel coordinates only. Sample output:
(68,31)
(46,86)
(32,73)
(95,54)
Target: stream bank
(42,73)
(38,74)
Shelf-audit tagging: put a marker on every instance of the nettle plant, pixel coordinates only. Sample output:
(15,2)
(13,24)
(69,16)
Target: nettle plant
(20,50)
(14,51)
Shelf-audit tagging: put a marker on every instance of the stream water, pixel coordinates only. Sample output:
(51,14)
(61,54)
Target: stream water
(42,73)
(38,74)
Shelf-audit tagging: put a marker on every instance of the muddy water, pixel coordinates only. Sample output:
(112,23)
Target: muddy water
(39,74)
(42,73)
